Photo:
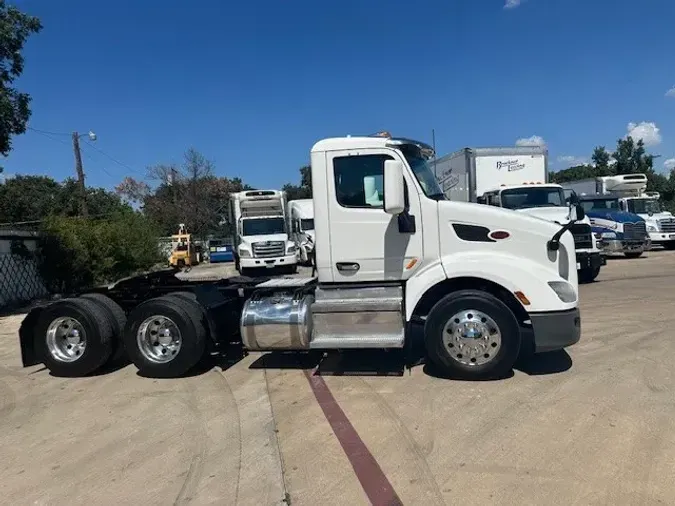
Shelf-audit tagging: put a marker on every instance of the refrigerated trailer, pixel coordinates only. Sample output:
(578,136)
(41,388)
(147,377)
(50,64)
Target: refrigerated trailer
(517,178)
(482,283)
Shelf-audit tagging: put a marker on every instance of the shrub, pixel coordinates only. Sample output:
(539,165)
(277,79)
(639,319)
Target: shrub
(75,253)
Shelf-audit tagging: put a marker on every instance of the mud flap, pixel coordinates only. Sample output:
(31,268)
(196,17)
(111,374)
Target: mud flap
(27,337)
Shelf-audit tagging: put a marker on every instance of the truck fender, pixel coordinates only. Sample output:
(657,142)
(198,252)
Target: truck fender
(27,337)
(509,272)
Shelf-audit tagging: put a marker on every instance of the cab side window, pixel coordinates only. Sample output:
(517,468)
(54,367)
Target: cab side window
(359,180)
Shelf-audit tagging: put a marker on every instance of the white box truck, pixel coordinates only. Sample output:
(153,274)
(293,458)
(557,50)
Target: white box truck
(301,213)
(261,231)
(478,283)
(517,178)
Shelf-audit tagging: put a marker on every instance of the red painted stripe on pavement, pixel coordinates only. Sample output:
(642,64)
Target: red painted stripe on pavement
(375,484)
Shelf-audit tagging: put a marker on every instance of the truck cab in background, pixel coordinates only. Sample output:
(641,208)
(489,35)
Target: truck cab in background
(515,178)
(548,201)
(301,213)
(618,232)
(261,231)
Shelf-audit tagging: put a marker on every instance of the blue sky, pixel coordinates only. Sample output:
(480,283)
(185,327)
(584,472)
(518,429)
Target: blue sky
(252,85)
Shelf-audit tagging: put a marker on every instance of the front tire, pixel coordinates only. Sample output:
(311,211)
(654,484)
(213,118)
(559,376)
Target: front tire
(588,275)
(165,337)
(471,334)
(633,255)
(73,337)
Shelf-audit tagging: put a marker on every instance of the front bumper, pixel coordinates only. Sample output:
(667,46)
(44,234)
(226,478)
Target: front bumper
(590,260)
(555,330)
(270,263)
(660,237)
(619,246)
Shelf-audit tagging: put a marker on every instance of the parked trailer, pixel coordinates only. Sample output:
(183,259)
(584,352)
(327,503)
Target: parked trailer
(302,228)
(484,284)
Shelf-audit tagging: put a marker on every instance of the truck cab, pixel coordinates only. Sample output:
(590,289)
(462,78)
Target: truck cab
(547,201)
(261,233)
(302,228)
(618,231)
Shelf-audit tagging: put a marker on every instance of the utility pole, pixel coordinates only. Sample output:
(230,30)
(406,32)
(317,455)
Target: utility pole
(84,209)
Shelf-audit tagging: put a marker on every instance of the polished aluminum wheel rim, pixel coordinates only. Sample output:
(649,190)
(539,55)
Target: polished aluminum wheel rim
(66,339)
(472,337)
(159,339)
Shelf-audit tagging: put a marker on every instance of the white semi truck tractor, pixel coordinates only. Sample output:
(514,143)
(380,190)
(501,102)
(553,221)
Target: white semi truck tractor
(517,178)
(261,231)
(481,284)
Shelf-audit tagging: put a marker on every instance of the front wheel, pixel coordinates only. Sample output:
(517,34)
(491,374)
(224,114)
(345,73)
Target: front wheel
(633,254)
(588,275)
(472,334)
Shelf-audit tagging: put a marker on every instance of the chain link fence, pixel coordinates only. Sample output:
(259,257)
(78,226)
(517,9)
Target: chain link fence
(20,280)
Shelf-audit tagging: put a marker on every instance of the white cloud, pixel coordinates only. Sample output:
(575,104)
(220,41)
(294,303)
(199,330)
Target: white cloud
(669,164)
(647,131)
(512,4)
(671,92)
(572,161)
(535,140)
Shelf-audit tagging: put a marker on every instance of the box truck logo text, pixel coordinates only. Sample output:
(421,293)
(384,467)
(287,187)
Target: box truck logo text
(510,165)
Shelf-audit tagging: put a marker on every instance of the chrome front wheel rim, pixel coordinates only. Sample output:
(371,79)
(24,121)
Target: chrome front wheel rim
(472,337)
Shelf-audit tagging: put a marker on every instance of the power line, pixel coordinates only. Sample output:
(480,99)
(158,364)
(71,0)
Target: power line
(111,158)
(46,131)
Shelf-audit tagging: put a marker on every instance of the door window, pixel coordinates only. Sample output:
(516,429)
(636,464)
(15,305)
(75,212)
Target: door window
(359,180)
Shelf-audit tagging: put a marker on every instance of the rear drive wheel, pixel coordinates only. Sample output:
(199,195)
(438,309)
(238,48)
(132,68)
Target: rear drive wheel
(588,275)
(119,320)
(74,337)
(471,334)
(165,337)
(633,255)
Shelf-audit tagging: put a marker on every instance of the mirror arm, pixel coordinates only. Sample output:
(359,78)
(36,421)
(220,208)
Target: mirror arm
(554,243)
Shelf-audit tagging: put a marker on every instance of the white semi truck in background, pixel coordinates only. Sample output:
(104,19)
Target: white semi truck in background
(478,284)
(630,190)
(261,231)
(301,215)
(517,178)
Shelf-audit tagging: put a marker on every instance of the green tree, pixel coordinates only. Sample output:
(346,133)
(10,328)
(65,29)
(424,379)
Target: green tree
(304,191)
(601,158)
(34,198)
(15,29)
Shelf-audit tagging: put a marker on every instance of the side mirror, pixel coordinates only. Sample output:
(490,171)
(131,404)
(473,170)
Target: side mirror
(394,187)
(577,212)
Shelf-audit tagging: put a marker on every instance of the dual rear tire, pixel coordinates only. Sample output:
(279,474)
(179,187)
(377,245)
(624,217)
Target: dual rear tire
(164,337)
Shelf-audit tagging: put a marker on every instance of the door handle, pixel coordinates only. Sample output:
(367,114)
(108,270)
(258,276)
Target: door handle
(347,266)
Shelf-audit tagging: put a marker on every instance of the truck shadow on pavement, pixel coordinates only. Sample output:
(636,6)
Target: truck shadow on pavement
(394,363)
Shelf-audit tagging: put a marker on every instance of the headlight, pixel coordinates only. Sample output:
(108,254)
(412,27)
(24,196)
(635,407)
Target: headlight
(291,249)
(244,252)
(563,290)
(652,228)
(608,235)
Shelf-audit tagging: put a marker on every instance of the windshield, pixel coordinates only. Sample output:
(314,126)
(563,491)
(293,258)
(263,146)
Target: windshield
(307,224)
(263,226)
(525,198)
(644,206)
(600,205)
(423,173)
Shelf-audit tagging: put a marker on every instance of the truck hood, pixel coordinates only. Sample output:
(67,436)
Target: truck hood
(559,214)
(617,216)
(250,239)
